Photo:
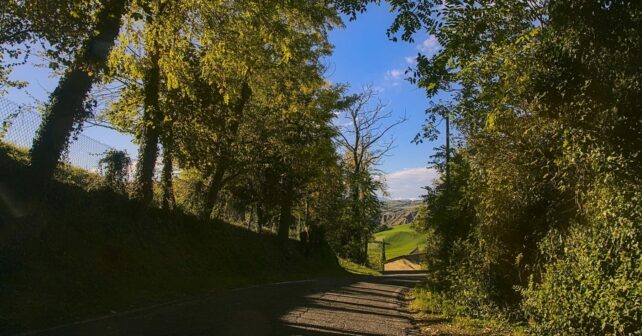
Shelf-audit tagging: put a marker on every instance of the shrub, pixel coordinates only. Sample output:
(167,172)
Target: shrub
(115,167)
(592,284)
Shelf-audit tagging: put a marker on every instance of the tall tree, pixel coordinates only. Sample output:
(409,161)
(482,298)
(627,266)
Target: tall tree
(66,107)
(364,141)
(277,52)
(53,27)
(154,12)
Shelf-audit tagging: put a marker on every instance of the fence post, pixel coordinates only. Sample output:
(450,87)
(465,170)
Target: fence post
(383,254)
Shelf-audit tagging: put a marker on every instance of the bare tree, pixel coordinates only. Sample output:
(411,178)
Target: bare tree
(365,139)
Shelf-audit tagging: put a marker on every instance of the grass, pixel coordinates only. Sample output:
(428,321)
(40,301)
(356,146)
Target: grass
(355,268)
(434,314)
(374,256)
(435,324)
(83,251)
(401,239)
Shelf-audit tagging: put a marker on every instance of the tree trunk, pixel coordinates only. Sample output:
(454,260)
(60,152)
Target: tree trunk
(211,193)
(306,215)
(285,219)
(66,103)
(261,218)
(447,152)
(251,220)
(148,152)
(365,248)
(167,180)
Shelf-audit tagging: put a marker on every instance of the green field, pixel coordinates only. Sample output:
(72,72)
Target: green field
(402,239)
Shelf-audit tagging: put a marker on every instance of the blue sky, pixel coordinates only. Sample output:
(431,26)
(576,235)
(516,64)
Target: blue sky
(363,55)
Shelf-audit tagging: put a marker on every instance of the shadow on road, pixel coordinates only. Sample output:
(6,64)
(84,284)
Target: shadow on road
(342,306)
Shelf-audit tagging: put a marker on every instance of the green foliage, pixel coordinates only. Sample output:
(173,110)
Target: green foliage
(543,198)
(444,316)
(96,251)
(591,282)
(435,302)
(68,104)
(355,268)
(375,254)
(114,166)
(55,26)
(362,145)
(538,209)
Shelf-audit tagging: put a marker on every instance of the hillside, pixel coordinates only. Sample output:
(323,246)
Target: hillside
(88,251)
(398,212)
(402,240)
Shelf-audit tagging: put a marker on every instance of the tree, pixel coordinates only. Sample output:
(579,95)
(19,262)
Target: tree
(155,16)
(141,63)
(214,58)
(261,80)
(541,138)
(364,142)
(115,166)
(66,106)
(52,27)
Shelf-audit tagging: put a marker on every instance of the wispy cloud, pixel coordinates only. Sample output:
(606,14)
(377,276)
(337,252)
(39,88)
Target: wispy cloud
(394,77)
(412,60)
(394,74)
(408,183)
(429,46)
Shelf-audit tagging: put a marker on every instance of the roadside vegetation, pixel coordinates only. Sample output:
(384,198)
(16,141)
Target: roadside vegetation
(436,314)
(90,251)
(355,268)
(537,216)
(241,175)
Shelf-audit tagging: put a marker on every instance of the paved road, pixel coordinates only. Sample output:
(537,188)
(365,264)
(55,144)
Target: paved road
(355,306)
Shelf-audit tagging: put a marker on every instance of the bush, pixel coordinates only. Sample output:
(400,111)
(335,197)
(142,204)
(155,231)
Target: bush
(434,302)
(592,283)
(115,166)
(473,286)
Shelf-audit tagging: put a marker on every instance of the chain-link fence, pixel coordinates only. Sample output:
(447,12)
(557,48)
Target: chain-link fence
(19,124)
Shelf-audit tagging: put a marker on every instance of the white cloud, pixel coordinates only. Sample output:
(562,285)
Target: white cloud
(430,46)
(412,60)
(394,74)
(408,183)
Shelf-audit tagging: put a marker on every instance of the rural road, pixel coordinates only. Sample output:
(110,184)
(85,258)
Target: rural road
(341,306)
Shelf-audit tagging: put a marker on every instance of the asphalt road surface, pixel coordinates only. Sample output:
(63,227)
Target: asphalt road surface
(348,306)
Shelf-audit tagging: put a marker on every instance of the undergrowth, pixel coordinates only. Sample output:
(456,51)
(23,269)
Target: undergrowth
(84,250)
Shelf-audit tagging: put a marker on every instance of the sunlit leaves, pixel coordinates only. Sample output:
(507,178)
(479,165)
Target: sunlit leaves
(538,95)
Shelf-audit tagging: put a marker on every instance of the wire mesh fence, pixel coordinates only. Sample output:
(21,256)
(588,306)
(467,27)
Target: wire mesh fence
(18,127)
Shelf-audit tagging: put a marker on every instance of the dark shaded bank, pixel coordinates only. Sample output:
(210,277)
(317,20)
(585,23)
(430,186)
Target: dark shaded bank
(81,252)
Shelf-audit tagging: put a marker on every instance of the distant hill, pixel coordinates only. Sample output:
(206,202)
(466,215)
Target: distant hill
(398,212)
